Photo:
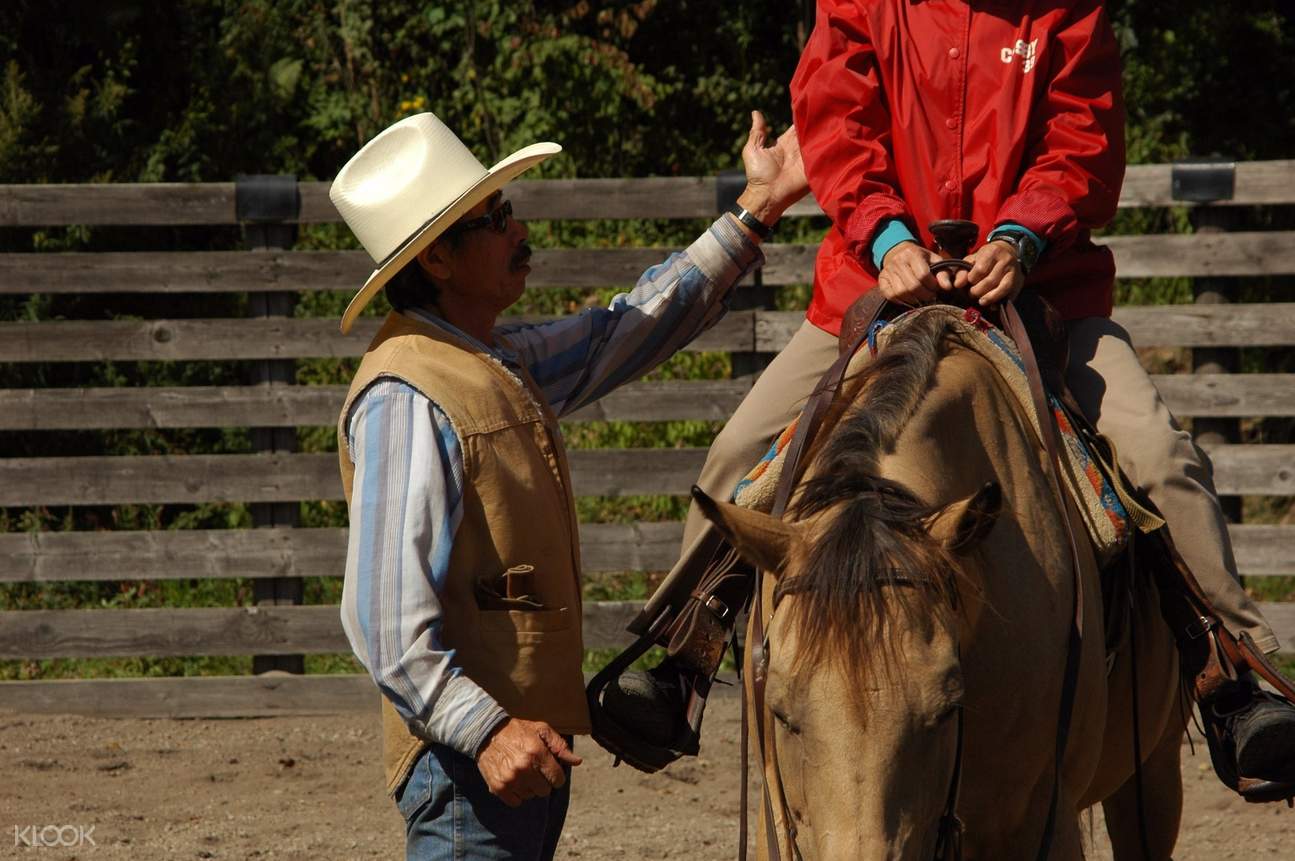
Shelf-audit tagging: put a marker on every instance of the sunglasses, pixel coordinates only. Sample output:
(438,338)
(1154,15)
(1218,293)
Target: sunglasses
(496,219)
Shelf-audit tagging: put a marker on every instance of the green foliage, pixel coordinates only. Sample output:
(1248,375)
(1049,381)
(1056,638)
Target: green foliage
(1202,78)
(202,90)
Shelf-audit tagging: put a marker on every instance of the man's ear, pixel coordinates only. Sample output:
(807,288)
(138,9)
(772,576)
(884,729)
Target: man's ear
(965,523)
(434,260)
(760,539)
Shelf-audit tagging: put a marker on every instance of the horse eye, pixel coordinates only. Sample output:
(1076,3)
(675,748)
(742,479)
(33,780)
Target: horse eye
(786,722)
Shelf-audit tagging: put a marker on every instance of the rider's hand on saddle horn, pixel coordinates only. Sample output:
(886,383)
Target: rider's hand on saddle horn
(995,275)
(906,275)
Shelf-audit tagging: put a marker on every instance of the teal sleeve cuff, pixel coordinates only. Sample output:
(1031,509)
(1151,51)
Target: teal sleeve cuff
(1017,228)
(893,232)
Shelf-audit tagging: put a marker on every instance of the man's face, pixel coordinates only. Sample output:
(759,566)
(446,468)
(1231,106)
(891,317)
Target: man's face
(486,266)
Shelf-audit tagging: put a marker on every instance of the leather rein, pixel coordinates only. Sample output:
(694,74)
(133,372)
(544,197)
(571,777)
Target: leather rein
(948,845)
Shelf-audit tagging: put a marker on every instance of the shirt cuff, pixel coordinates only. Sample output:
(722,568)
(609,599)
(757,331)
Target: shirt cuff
(724,253)
(463,718)
(1013,227)
(893,232)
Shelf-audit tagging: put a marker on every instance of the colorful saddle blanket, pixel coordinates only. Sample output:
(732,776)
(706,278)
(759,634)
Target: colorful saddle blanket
(1099,505)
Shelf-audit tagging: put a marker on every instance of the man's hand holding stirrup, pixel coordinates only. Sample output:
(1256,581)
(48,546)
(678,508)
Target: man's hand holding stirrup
(522,759)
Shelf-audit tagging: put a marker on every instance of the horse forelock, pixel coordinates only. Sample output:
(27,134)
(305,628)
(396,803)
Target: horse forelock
(870,533)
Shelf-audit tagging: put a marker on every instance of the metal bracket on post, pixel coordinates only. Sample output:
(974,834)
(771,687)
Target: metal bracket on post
(728,188)
(268,206)
(1203,180)
(729,185)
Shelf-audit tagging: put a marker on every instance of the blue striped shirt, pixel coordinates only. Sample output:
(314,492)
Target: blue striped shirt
(406,502)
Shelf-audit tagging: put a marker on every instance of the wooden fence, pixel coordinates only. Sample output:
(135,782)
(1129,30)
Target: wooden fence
(279,552)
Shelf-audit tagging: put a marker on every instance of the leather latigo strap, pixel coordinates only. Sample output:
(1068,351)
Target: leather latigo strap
(1213,654)
(859,318)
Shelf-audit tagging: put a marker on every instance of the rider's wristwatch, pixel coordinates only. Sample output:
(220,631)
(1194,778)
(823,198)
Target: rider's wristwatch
(1027,250)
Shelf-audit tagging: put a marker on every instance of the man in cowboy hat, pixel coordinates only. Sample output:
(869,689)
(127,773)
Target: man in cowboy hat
(462,592)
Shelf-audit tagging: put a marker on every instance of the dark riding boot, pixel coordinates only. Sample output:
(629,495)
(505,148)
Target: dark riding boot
(1251,733)
(649,704)
(1251,736)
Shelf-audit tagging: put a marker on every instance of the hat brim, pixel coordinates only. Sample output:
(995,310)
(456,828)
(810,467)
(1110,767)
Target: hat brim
(497,177)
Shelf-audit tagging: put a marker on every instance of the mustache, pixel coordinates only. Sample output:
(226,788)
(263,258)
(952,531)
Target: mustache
(522,256)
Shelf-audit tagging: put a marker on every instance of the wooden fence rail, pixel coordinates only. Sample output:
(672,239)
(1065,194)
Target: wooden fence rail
(675,400)
(1257,184)
(275,630)
(42,557)
(231,339)
(1219,254)
(284,478)
(280,630)
(1256,470)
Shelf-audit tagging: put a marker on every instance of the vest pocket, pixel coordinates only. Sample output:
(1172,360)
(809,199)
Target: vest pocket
(529,661)
(524,622)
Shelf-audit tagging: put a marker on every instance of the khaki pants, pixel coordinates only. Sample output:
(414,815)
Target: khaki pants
(1114,392)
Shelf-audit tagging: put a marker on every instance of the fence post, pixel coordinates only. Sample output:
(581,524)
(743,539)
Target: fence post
(267,206)
(1206,181)
(805,26)
(757,297)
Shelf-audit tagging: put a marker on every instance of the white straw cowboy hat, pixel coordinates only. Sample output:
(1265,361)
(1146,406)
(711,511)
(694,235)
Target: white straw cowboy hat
(407,185)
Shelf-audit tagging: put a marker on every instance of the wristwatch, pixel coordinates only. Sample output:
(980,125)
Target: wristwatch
(758,227)
(1027,250)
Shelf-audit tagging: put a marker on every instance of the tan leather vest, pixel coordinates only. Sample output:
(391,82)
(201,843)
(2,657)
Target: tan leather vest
(517,510)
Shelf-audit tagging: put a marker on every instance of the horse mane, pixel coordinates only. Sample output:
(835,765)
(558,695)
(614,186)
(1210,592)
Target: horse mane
(875,533)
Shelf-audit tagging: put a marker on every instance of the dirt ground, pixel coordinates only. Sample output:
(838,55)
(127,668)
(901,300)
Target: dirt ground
(312,788)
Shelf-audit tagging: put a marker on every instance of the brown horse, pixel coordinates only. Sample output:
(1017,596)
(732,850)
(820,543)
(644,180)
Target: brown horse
(907,600)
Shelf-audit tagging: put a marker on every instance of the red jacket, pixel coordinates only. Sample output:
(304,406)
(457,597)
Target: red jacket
(922,110)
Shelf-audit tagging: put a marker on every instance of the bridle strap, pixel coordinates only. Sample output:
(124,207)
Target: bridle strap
(948,841)
(746,767)
(811,417)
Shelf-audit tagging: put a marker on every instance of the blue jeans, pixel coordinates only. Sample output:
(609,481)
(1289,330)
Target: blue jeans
(450,814)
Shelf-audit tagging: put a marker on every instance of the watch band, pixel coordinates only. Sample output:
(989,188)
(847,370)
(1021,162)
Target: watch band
(758,227)
(1027,251)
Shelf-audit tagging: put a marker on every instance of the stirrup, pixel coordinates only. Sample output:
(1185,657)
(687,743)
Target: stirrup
(626,745)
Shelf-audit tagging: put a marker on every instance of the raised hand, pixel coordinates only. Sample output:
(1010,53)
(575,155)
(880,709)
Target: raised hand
(775,175)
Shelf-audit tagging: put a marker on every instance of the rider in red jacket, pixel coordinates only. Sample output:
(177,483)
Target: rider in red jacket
(913,112)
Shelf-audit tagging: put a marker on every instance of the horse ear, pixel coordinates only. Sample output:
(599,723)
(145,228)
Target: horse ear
(965,523)
(759,538)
